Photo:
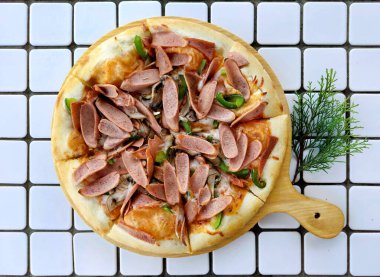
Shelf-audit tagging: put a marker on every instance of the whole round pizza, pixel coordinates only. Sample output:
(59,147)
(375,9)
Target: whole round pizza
(168,136)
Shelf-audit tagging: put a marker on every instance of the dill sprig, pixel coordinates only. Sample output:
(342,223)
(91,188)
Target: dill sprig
(323,127)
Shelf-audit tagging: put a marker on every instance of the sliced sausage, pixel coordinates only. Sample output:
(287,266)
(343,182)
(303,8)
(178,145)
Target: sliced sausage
(142,200)
(107,90)
(178,59)
(89,120)
(157,190)
(242,145)
(182,167)
(75,114)
(101,185)
(199,178)
(135,168)
(253,152)
(214,207)
(221,114)
(109,128)
(124,100)
(130,193)
(171,104)
(191,210)
(228,141)
(149,116)
(206,98)
(167,39)
(207,48)
(236,78)
(162,61)
(171,184)
(88,168)
(115,115)
(110,142)
(195,144)
(139,234)
(204,196)
(139,80)
(253,113)
(264,157)
(238,58)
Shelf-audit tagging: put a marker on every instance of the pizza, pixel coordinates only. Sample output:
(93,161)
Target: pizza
(168,136)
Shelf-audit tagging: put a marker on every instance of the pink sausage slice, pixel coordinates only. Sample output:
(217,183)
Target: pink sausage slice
(170,103)
(214,207)
(149,116)
(191,210)
(178,59)
(110,142)
(199,178)
(212,68)
(115,115)
(195,144)
(89,120)
(221,114)
(242,145)
(167,39)
(135,168)
(157,190)
(238,58)
(128,197)
(75,114)
(101,185)
(123,100)
(171,184)
(140,80)
(109,128)
(107,90)
(265,155)
(139,234)
(192,80)
(228,141)
(207,48)
(236,78)
(182,167)
(253,113)
(204,196)
(253,152)
(162,61)
(142,200)
(206,98)
(88,168)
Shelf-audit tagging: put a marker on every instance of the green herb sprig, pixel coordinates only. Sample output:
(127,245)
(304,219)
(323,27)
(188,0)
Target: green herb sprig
(323,127)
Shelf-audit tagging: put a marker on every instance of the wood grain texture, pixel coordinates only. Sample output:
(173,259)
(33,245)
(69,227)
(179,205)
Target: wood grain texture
(283,198)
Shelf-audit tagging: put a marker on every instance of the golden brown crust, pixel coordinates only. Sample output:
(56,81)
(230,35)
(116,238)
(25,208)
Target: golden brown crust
(111,59)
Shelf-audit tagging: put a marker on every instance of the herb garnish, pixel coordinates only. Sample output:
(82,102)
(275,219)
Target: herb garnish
(323,126)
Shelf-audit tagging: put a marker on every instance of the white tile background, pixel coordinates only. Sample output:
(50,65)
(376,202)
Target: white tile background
(39,42)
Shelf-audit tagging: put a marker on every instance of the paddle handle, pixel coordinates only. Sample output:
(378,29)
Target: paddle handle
(319,217)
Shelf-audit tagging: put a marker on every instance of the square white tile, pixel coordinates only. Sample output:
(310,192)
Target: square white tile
(364,24)
(286,64)
(364,254)
(50,24)
(48,69)
(92,20)
(239,19)
(278,23)
(13,71)
(13,253)
(279,220)
(13,162)
(13,116)
(134,10)
(279,253)
(40,115)
(336,195)
(336,174)
(49,209)
(13,23)
(79,224)
(51,253)
(228,261)
(93,255)
(12,208)
(364,166)
(194,265)
(368,105)
(317,60)
(193,10)
(364,208)
(325,23)
(78,52)
(41,166)
(363,68)
(132,264)
(325,256)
